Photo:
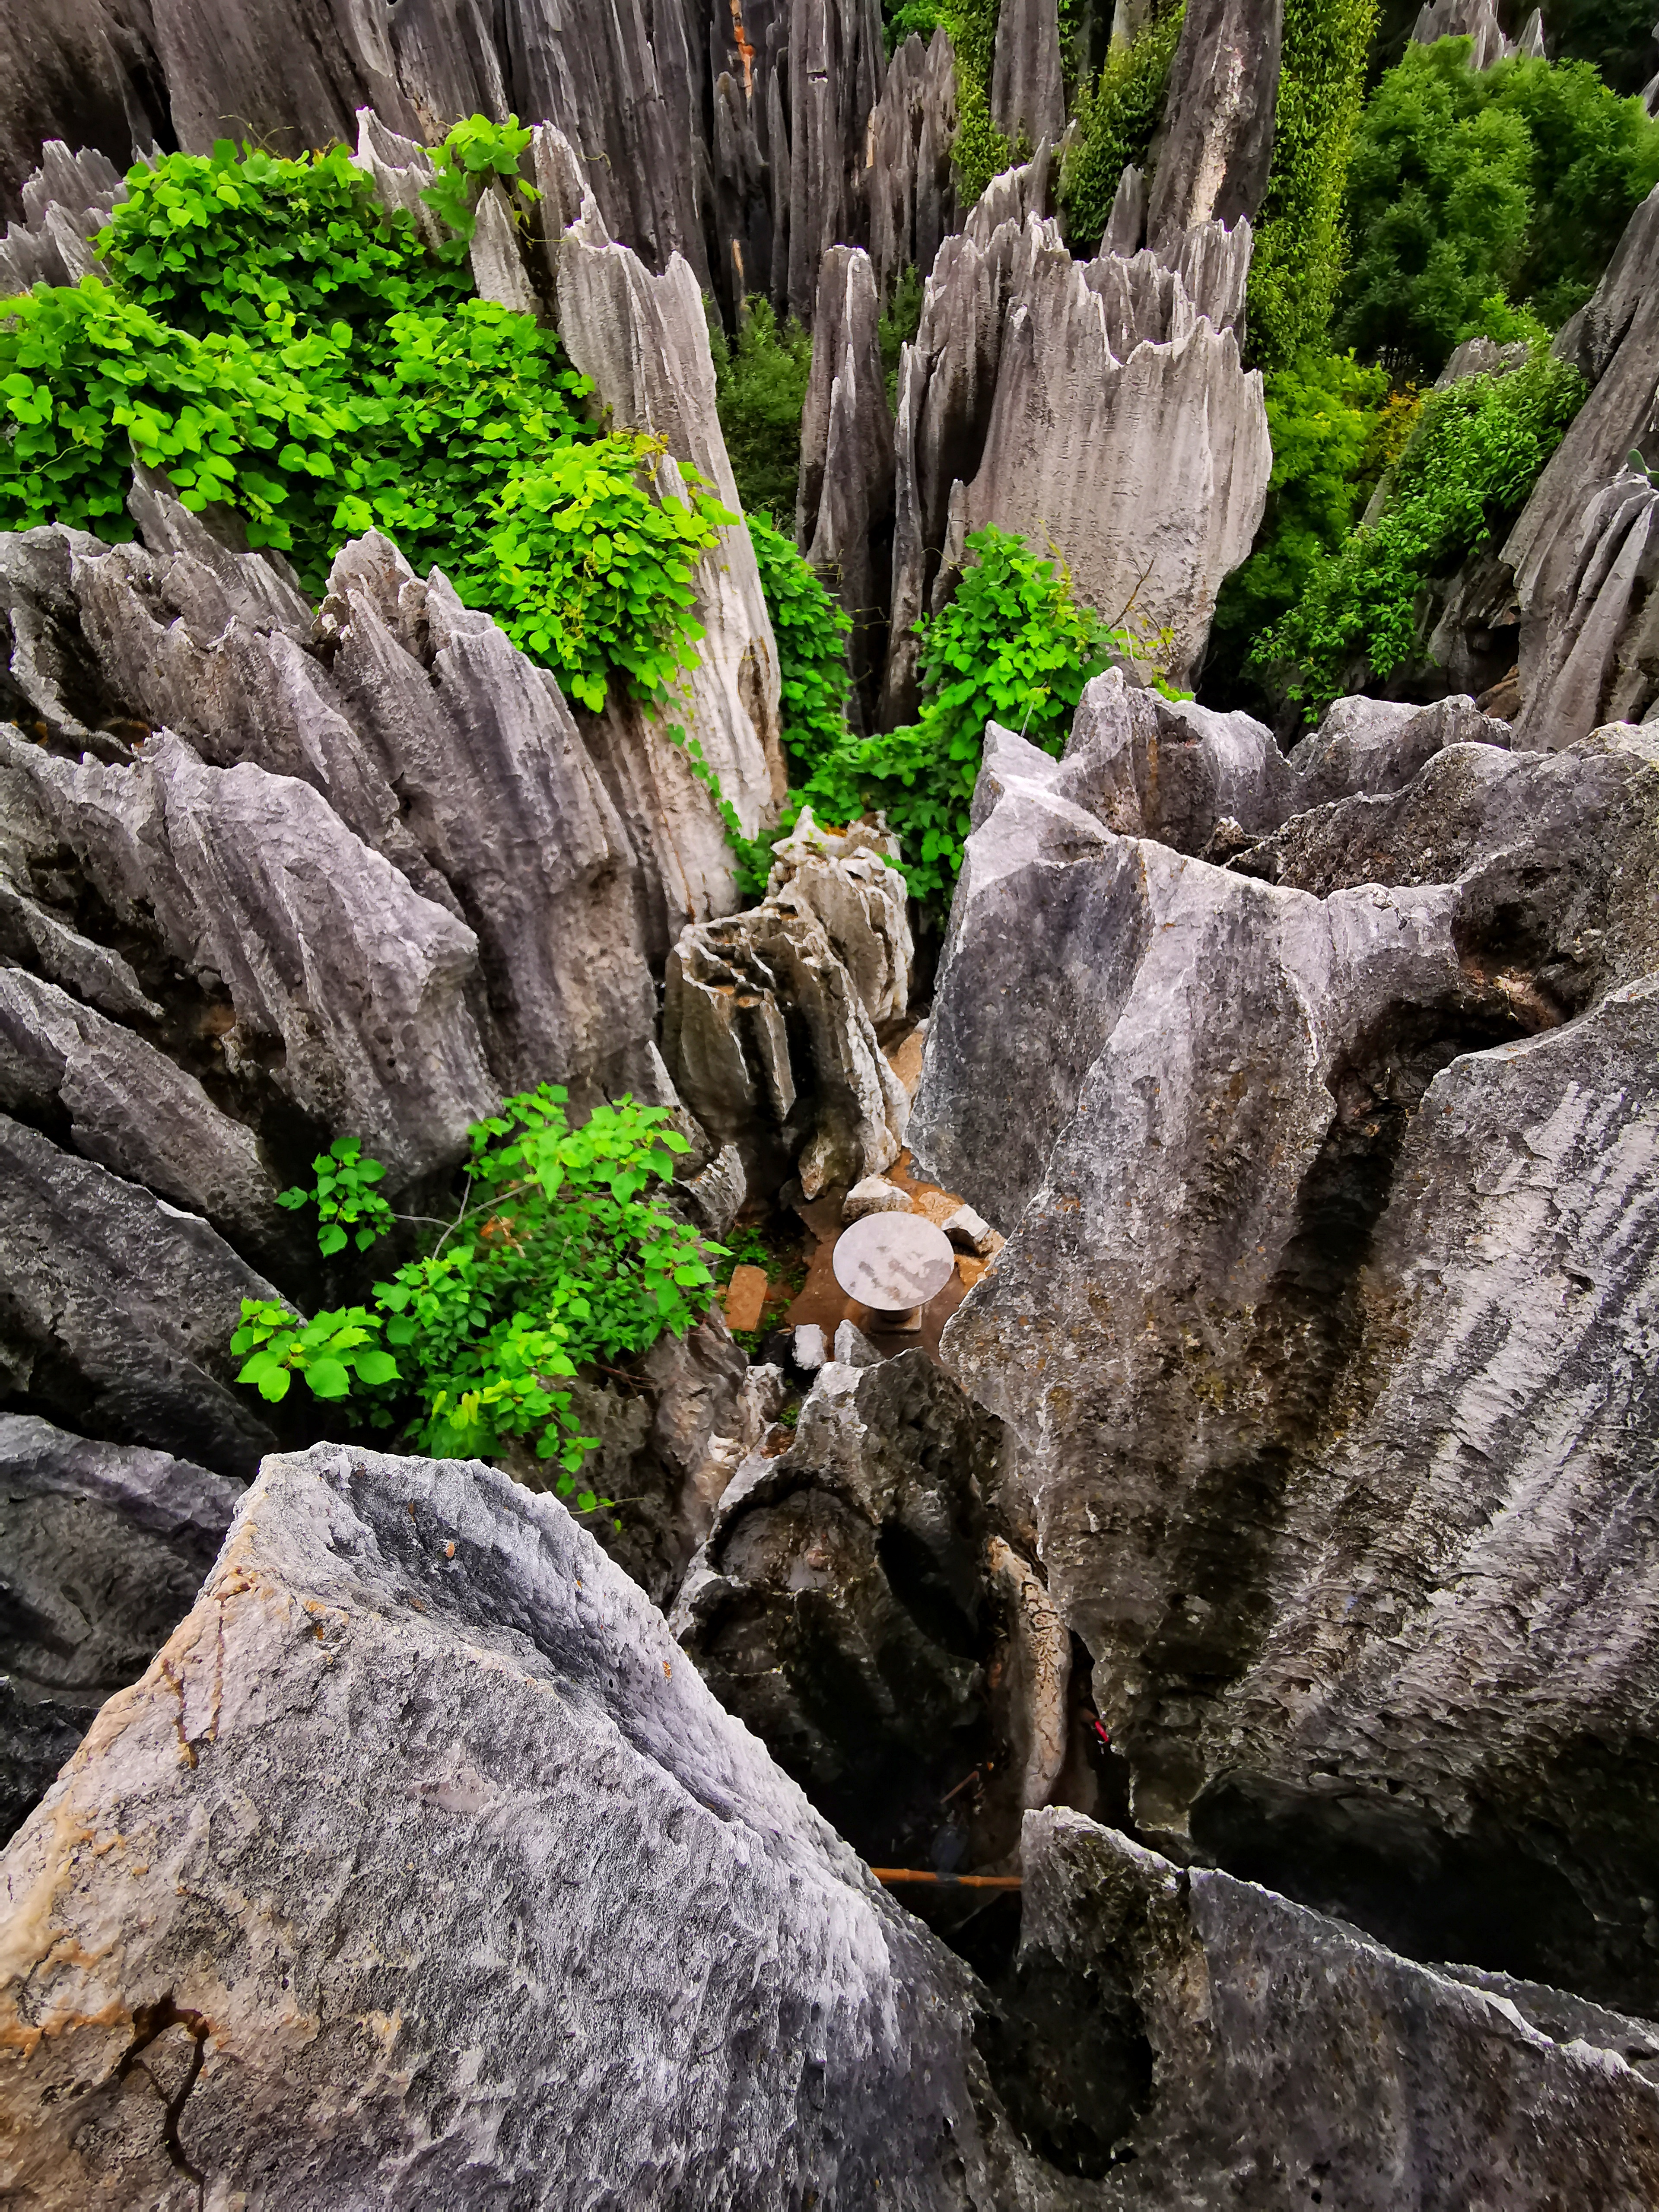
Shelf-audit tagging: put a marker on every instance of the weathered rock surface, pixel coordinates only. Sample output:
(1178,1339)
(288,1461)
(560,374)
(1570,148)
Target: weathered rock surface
(105,1547)
(1217,132)
(771,1019)
(341,985)
(1237,2050)
(117,1308)
(408,1685)
(1325,1325)
(1089,405)
(843,1607)
(1028,96)
(908,183)
(85,73)
(844,510)
(1477,21)
(66,202)
(1372,747)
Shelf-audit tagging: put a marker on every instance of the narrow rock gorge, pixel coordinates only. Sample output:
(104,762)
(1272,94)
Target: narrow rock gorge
(828,1107)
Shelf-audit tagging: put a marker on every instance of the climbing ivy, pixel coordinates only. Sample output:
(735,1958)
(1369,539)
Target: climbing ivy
(810,631)
(1115,119)
(1301,243)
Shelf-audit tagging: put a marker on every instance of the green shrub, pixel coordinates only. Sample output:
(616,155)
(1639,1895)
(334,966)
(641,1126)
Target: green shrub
(557,1254)
(274,341)
(1013,645)
(1300,245)
(1474,193)
(810,631)
(760,389)
(1476,454)
(1115,122)
(1334,428)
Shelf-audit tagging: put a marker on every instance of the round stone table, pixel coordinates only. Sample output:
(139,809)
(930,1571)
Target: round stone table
(893,1263)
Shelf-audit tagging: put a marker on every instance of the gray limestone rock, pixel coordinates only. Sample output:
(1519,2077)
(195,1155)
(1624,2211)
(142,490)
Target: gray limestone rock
(644,341)
(408,1686)
(1324,1327)
(1589,631)
(117,1310)
(769,1042)
(1219,2044)
(1028,97)
(66,202)
(104,1547)
(836,63)
(875,1195)
(344,990)
(132,1109)
(844,508)
(1217,131)
(1089,405)
(848,881)
(1476,20)
(843,1606)
(1126,226)
(1151,767)
(1375,746)
(907,182)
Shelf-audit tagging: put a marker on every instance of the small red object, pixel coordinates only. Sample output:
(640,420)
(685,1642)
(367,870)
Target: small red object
(1099,1727)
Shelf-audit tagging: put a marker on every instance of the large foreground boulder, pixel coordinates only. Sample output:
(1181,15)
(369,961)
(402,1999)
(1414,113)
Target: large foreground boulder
(422,1869)
(1325,1323)
(105,1548)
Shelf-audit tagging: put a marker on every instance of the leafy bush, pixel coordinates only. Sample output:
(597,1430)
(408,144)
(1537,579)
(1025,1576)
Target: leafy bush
(810,630)
(760,390)
(1013,645)
(557,1254)
(1300,244)
(476,152)
(1473,193)
(1476,454)
(293,351)
(1116,120)
(350,1209)
(1335,427)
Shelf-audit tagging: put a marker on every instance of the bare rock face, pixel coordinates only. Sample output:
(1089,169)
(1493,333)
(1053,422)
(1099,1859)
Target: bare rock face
(105,1547)
(66,202)
(835,73)
(345,986)
(844,1607)
(844,512)
(908,183)
(1579,551)
(1028,96)
(1224,2045)
(118,1310)
(1151,767)
(1218,134)
(408,1685)
(770,1019)
(1092,405)
(1477,21)
(644,341)
(1371,747)
(1322,1326)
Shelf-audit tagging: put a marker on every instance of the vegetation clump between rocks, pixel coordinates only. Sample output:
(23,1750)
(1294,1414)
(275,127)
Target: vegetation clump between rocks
(557,1252)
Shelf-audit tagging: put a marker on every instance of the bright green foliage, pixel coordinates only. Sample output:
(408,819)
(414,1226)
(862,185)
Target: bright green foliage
(1476,453)
(350,1209)
(279,344)
(810,630)
(557,1254)
(1300,245)
(327,1353)
(1329,417)
(476,152)
(1116,120)
(590,572)
(216,242)
(1013,645)
(1473,193)
(760,390)
(900,318)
